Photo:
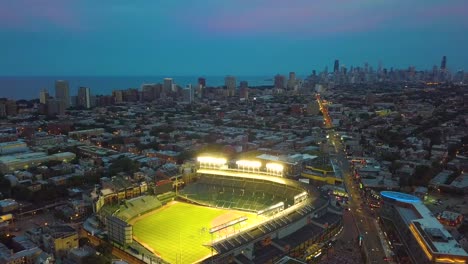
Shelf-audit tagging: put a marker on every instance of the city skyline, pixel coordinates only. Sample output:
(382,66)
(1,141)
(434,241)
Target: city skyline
(261,38)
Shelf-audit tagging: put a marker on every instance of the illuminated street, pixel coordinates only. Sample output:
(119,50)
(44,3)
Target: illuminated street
(361,216)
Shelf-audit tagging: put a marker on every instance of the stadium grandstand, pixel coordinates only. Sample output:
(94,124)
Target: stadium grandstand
(248,214)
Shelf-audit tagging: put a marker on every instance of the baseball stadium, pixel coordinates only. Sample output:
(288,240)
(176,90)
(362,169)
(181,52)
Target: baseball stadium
(244,212)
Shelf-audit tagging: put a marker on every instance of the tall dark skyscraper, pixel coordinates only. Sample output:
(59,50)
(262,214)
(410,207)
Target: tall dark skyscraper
(62,92)
(443,64)
(84,97)
(336,67)
(230,83)
(244,90)
(279,81)
(202,82)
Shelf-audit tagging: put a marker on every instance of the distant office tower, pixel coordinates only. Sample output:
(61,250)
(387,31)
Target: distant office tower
(443,64)
(55,107)
(336,67)
(188,93)
(279,81)
(62,92)
(202,82)
(84,97)
(3,112)
(292,80)
(167,85)
(151,91)
(175,88)
(458,77)
(105,100)
(118,96)
(230,83)
(11,108)
(43,96)
(244,90)
(131,95)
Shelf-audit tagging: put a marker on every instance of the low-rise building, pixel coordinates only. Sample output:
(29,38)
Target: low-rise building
(12,163)
(451,219)
(13,147)
(8,205)
(424,236)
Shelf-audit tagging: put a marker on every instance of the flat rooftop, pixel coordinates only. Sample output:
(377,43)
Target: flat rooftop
(461,181)
(439,240)
(434,234)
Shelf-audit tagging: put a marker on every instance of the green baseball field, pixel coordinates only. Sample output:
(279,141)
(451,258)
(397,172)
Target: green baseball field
(179,232)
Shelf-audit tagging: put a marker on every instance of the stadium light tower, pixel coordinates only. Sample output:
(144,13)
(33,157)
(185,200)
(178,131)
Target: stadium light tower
(275,168)
(249,165)
(211,162)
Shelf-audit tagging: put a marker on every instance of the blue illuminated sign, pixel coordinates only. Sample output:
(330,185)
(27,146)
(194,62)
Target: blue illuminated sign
(401,197)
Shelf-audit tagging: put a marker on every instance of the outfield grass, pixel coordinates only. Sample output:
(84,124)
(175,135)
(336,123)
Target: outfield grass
(178,231)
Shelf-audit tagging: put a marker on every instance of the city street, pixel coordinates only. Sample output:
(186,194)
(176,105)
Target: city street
(373,242)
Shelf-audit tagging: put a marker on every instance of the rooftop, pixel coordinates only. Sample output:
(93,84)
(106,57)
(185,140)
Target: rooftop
(434,234)
(421,220)
(461,181)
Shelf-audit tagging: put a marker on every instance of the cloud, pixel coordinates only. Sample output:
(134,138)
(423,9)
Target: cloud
(320,16)
(24,15)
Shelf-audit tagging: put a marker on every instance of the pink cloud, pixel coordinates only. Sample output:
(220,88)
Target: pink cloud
(28,16)
(320,16)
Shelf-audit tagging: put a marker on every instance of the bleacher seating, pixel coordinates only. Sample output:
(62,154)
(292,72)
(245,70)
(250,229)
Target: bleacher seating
(166,197)
(137,206)
(238,193)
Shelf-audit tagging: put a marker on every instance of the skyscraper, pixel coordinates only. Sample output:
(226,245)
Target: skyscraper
(188,93)
(244,90)
(84,97)
(279,81)
(443,64)
(230,83)
(55,107)
(62,92)
(43,96)
(202,82)
(292,80)
(336,66)
(167,85)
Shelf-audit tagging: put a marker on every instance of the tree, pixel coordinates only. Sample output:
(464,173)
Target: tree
(123,165)
(184,155)
(422,175)
(83,241)
(21,193)
(364,116)
(5,186)
(105,248)
(96,259)
(218,122)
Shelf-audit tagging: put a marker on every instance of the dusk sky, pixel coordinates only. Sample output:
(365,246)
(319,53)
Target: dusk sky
(219,37)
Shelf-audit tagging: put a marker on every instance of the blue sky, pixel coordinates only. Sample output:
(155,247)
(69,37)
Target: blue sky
(219,37)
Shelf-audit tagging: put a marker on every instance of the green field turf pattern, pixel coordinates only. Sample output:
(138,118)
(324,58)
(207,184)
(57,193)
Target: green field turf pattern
(178,231)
